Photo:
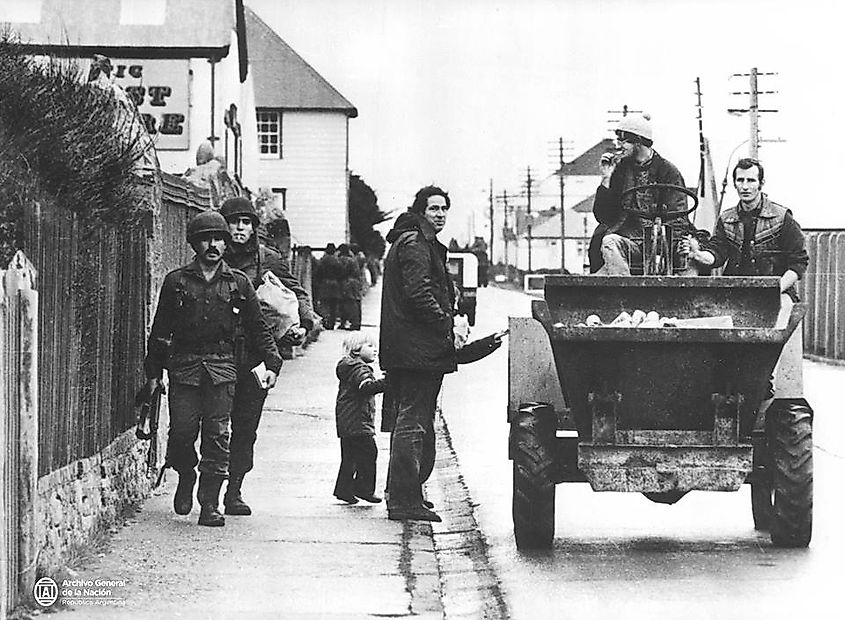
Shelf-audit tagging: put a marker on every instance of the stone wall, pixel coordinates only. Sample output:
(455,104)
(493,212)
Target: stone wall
(81,500)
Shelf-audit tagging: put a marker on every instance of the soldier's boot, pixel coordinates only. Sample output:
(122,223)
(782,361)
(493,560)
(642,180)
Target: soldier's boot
(232,500)
(183,498)
(208,495)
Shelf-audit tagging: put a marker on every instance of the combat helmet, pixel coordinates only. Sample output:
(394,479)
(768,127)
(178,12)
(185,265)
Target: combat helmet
(239,206)
(207,222)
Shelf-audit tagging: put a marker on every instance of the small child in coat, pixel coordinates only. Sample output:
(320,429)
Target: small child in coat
(355,416)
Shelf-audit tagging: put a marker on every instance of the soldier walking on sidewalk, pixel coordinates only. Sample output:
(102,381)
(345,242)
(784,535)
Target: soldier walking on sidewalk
(205,313)
(247,254)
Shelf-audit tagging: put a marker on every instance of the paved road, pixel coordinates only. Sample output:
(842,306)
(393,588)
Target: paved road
(619,554)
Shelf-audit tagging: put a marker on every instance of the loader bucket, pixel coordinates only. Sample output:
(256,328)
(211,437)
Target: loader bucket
(665,378)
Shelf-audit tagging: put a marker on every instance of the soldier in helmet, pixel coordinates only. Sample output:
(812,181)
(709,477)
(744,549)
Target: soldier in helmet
(203,309)
(246,253)
(617,241)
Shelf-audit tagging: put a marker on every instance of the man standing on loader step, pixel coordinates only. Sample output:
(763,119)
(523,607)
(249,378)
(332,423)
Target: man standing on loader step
(757,237)
(205,312)
(247,254)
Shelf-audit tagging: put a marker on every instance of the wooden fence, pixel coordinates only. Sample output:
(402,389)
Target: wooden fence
(94,293)
(18,428)
(68,393)
(823,288)
(95,290)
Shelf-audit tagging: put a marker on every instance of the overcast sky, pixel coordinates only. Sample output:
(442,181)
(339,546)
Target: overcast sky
(456,92)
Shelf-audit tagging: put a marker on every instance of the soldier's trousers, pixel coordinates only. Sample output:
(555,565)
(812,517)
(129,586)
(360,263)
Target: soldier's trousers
(246,414)
(412,444)
(200,410)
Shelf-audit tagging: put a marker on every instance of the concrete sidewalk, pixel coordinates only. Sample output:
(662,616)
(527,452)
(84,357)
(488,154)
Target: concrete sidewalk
(302,553)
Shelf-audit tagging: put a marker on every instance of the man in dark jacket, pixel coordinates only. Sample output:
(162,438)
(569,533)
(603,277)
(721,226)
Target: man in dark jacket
(757,237)
(204,309)
(617,241)
(417,346)
(328,277)
(351,289)
(253,258)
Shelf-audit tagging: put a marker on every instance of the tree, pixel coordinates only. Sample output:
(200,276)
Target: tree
(364,213)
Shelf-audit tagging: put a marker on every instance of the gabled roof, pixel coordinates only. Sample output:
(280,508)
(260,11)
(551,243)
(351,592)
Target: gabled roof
(586,205)
(179,28)
(282,78)
(587,163)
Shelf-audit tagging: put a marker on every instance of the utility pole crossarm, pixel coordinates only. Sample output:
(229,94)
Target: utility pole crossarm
(753,110)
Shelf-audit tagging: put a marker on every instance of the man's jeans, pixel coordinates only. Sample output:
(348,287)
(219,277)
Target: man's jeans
(412,444)
(618,252)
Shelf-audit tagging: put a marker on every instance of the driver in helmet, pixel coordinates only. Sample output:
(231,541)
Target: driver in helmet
(617,241)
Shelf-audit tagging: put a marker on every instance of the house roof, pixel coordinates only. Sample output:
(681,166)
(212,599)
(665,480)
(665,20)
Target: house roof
(587,163)
(282,78)
(586,205)
(162,29)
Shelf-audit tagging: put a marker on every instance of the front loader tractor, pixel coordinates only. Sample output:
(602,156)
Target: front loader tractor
(661,410)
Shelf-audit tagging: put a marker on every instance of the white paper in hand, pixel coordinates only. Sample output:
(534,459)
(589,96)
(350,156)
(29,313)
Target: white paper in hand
(260,374)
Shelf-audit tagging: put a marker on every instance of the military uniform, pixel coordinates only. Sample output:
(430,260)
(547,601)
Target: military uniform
(254,260)
(199,328)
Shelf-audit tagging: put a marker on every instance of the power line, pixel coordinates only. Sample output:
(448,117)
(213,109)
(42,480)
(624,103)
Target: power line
(753,110)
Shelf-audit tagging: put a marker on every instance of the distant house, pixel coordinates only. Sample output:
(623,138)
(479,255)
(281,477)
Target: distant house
(581,177)
(303,138)
(184,63)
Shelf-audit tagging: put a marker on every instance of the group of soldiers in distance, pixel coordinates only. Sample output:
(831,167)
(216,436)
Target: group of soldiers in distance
(341,277)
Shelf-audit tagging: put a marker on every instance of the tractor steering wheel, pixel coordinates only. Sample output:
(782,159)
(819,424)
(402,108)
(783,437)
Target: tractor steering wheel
(661,210)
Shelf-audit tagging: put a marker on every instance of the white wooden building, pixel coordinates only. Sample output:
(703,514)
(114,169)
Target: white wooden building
(303,133)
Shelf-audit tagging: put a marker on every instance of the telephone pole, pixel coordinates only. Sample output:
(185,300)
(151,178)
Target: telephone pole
(753,114)
(701,145)
(562,210)
(506,229)
(529,182)
(753,108)
(623,112)
(492,226)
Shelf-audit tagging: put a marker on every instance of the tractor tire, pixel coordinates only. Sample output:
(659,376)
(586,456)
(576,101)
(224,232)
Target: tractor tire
(790,438)
(533,484)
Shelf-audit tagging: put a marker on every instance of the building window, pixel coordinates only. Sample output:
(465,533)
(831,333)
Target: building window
(280,198)
(269,133)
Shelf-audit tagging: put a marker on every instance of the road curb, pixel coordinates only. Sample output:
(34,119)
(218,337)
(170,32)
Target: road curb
(469,583)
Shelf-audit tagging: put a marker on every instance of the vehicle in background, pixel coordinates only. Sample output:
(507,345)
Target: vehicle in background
(463,268)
